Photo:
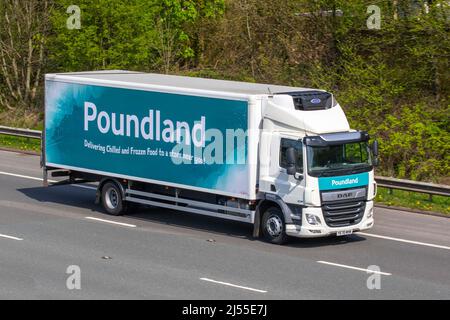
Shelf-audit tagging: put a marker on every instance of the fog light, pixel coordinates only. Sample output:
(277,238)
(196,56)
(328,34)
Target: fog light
(313,220)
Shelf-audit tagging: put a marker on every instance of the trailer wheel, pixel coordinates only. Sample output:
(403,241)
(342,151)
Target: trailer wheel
(273,226)
(112,199)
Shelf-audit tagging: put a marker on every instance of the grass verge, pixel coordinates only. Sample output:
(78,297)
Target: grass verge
(19,143)
(413,200)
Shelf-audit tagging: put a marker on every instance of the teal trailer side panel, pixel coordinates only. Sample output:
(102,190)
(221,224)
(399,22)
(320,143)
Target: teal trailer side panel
(75,139)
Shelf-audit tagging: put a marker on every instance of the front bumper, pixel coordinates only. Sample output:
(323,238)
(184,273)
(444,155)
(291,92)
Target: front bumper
(315,231)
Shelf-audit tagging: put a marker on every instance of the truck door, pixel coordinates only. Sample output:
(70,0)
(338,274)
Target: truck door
(290,188)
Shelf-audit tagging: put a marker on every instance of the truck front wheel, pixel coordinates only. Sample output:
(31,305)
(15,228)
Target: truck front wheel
(112,199)
(273,226)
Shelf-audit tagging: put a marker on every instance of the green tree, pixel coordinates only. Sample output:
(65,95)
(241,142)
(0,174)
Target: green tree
(24,29)
(131,34)
(113,34)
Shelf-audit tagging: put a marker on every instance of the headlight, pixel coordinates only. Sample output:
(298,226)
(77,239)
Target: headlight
(313,220)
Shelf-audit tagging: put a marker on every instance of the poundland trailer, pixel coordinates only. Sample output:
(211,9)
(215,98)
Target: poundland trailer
(281,158)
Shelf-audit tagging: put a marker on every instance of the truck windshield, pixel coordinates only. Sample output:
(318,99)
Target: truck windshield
(339,159)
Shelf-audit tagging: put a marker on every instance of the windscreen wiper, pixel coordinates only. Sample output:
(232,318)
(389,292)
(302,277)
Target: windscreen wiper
(355,169)
(326,172)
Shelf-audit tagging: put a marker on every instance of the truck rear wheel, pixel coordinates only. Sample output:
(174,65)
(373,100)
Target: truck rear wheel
(112,199)
(273,226)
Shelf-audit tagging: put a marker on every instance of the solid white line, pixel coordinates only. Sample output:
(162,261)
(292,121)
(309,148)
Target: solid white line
(83,187)
(405,241)
(112,222)
(40,179)
(10,237)
(20,176)
(362,233)
(233,285)
(354,268)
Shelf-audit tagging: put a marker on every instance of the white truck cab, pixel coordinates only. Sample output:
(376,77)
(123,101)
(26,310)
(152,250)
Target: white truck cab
(320,171)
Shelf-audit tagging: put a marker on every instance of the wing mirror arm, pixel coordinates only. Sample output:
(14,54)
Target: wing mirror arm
(291,160)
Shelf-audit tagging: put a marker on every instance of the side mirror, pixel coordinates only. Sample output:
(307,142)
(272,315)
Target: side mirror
(375,152)
(375,148)
(291,161)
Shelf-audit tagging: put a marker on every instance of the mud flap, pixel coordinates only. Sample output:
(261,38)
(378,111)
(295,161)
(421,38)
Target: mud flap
(257,224)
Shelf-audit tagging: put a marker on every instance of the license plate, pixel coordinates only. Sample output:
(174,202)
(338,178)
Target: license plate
(344,233)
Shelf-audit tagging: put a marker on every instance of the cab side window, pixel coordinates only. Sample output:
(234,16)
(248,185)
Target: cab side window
(298,146)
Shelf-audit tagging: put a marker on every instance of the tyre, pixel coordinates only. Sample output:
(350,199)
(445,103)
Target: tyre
(112,199)
(273,226)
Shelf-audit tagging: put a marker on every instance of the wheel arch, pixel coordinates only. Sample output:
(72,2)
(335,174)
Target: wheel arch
(270,201)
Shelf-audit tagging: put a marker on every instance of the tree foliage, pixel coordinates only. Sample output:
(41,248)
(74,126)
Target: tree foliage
(24,29)
(393,81)
(132,34)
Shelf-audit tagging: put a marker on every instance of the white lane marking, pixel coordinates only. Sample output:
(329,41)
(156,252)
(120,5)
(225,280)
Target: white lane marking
(354,268)
(20,176)
(233,285)
(112,222)
(362,233)
(10,237)
(405,241)
(83,187)
(40,179)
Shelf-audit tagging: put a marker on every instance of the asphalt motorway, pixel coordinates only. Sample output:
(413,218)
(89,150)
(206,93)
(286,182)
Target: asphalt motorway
(161,254)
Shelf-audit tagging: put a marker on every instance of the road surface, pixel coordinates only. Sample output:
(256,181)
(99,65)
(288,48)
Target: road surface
(162,254)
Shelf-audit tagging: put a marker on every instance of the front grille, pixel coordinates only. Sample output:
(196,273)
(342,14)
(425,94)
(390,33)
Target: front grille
(344,213)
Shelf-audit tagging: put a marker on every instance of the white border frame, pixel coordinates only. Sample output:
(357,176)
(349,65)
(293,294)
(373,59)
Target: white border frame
(159,182)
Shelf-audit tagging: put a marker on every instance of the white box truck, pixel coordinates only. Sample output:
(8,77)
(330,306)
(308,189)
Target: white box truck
(281,158)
